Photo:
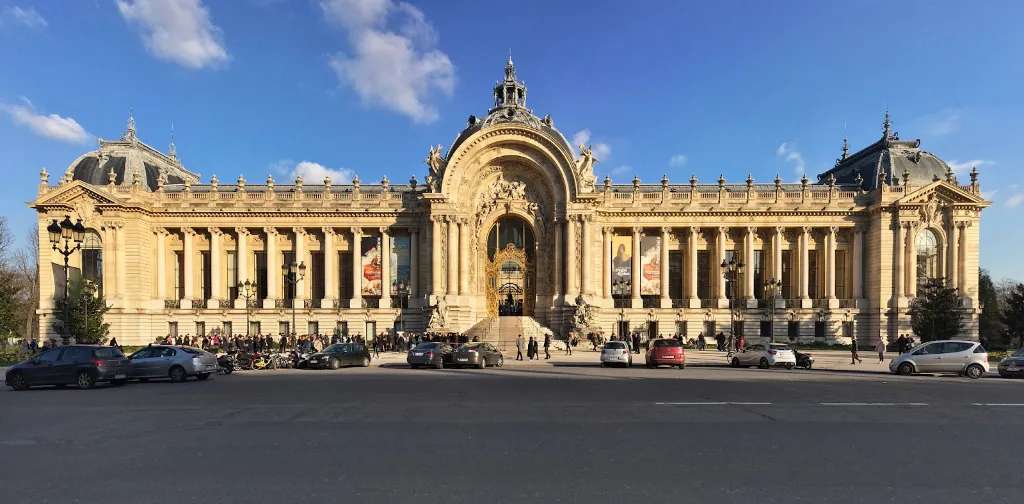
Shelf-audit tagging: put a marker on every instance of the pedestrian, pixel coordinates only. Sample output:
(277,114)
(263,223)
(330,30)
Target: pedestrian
(901,344)
(636,342)
(531,348)
(568,343)
(519,347)
(881,349)
(854,358)
(702,342)
(720,342)
(113,343)
(547,346)
(741,343)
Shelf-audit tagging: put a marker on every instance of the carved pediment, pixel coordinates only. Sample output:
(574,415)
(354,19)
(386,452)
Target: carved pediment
(943,194)
(74,193)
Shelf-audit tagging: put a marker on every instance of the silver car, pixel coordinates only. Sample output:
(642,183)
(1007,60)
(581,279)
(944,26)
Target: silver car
(616,353)
(765,356)
(966,358)
(174,362)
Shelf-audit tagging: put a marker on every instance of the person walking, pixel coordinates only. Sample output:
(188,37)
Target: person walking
(547,346)
(720,342)
(881,349)
(531,348)
(636,343)
(741,343)
(702,342)
(568,343)
(519,347)
(854,358)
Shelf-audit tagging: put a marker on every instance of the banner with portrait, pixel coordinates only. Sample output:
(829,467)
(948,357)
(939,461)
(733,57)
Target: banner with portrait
(650,265)
(370,251)
(622,265)
(400,265)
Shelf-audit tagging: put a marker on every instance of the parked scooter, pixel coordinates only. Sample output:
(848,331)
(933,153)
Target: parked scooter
(225,363)
(803,360)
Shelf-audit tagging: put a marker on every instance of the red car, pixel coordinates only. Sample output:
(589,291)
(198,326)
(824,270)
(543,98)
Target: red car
(665,351)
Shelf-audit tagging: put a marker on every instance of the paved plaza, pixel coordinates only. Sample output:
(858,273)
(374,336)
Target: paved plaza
(564,430)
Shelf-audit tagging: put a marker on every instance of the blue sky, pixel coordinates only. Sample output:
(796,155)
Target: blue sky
(256,87)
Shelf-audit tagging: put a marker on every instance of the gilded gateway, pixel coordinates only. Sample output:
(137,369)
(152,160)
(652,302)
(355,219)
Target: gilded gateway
(512,233)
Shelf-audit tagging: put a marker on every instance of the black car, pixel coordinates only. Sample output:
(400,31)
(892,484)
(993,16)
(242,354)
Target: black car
(82,365)
(478,355)
(431,353)
(340,354)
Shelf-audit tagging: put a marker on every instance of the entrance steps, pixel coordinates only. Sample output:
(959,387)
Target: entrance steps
(502,331)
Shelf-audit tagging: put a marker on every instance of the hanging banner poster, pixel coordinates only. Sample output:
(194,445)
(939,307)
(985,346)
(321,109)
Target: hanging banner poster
(400,270)
(650,265)
(622,270)
(370,249)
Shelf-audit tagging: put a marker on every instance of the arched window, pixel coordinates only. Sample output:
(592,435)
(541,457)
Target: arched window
(92,260)
(927,245)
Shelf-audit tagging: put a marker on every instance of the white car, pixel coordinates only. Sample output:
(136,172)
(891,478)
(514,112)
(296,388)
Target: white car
(616,352)
(967,358)
(765,356)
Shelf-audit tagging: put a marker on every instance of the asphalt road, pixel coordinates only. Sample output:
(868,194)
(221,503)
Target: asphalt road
(547,433)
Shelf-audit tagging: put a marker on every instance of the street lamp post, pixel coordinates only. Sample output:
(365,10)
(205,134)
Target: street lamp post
(732,269)
(88,291)
(248,291)
(62,235)
(772,289)
(293,273)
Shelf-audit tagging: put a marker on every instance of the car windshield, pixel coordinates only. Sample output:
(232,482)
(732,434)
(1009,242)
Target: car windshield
(193,351)
(427,346)
(108,353)
(780,346)
(337,347)
(614,345)
(666,343)
(471,346)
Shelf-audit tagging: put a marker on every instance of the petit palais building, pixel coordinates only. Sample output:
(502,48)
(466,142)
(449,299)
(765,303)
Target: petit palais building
(509,232)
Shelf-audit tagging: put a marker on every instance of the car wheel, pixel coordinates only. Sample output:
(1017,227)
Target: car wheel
(1004,374)
(202,376)
(483,363)
(366,362)
(789,367)
(333,363)
(228,370)
(501,361)
(809,364)
(763,363)
(85,380)
(414,366)
(974,371)
(18,382)
(905,369)
(177,374)
(735,362)
(682,366)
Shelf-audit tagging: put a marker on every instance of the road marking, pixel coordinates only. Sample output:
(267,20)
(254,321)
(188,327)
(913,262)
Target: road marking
(997,404)
(871,404)
(713,403)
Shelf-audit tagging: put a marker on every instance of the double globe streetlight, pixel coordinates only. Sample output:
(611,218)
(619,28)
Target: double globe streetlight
(731,270)
(66,237)
(248,289)
(293,274)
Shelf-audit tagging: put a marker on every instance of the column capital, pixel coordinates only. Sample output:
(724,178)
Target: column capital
(606,229)
(161,231)
(694,230)
(270,231)
(751,229)
(299,230)
(188,231)
(665,230)
(328,231)
(356,231)
(723,230)
(638,229)
(383,230)
(832,230)
(780,230)
(241,231)
(806,230)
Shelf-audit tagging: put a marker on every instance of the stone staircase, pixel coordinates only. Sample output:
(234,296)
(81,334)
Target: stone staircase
(502,331)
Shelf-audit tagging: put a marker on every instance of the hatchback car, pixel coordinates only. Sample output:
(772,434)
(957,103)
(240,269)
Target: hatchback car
(174,362)
(966,358)
(340,354)
(479,355)
(616,353)
(665,351)
(765,356)
(82,365)
(1012,365)
(430,353)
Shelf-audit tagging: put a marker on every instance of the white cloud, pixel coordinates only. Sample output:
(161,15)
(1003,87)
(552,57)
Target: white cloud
(602,151)
(393,61)
(179,31)
(943,122)
(52,126)
(1015,201)
(677,161)
(964,167)
(28,17)
(311,172)
(581,137)
(621,169)
(793,156)
(989,195)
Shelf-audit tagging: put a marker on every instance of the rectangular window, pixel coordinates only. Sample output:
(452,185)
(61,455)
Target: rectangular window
(200,328)
(675,274)
(206,286)
(342,328)
(225,328)
(848,329)
(92,268)
(371,330)
(841,284)
(812,274)
(345,268)
(313,327)
(819,330)
(787,274)
(681,329)
(172,329)
(709,329)
(793,330)
(703,274)
(737,328)
(282,327)
(731,286)
(317,260)
(288,288)
(758,272)
(254,327)
(232,274)
(179,275)
(766,328)
(260,274)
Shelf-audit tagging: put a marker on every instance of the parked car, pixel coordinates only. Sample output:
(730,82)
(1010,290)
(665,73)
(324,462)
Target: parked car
(665,351)
(340,354)
(1012,365)
(765,356)
(430,353)
(966,358)
(616,353)
(478,355)
(171,361)
(82,365)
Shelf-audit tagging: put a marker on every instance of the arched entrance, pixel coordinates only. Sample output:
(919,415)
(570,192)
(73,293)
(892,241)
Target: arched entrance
(511,268)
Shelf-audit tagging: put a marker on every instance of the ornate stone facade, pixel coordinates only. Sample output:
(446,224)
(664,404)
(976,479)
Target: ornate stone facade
(848,250)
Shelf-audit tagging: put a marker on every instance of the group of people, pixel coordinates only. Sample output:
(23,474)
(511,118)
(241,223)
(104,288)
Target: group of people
(532,352)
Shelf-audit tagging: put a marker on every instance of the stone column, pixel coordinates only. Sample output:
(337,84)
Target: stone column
(805,238)
(186,254)
(606,262)
(587,265)
(463,257)
(897,260)
(952,258)
(242,262)
(777,254)
(216,283)
(691,269)
(666,300)
(414,264)
(634,290)
(299,257)
(962,256)
(830,263)
(571,265)
(331,267)
(109,263)
(357,269)
(453,256)
(435,253)
(717,267)
(385,268)
(558,258)
(748,260)
(122,263)
(161,265)
(858,263)
(911,260)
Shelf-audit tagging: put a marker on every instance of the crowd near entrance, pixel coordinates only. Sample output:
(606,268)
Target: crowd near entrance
(510,271)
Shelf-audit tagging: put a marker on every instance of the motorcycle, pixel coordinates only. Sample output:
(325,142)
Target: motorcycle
(225,363)
(302,360)
(803,360)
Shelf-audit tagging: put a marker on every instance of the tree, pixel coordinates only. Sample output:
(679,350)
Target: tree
(935,312)
(89,329)
(991,327)
(1013,314)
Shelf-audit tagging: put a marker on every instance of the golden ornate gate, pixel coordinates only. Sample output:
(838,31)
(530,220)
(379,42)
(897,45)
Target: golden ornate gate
(509,288)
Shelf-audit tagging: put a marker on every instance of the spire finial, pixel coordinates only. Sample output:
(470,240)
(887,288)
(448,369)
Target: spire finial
(846,147)
(129,133)
(172,150)
(886,126)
